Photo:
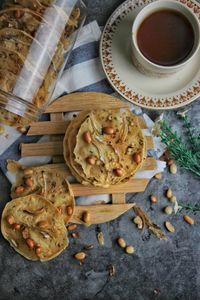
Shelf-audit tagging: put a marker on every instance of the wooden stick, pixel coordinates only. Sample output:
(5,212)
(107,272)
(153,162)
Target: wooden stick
(85,101)
(56,148)
(118,198)
(100,213)
(133,185)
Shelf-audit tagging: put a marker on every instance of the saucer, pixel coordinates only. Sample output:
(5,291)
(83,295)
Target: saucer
(161,93)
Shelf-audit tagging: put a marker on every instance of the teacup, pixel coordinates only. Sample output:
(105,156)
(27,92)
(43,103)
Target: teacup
(143,63)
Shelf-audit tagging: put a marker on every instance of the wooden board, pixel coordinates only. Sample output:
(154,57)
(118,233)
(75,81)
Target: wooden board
(56,128)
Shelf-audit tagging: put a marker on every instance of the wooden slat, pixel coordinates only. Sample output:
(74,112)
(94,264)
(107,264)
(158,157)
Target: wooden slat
(118,198)
(149,165)
(100,213)
(57,127)
(48,127)
(85,101)
(133,185)
(56,148)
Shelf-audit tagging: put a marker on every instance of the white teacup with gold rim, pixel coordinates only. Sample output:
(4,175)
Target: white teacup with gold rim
(165,37)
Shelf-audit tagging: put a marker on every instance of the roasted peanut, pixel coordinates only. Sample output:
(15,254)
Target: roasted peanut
(153,199)
(87,137)
(108,130)
(28,172)
(91,160)
(129,249)
(43,224)
(69,210)
(86,217)
(118,172)
(121,242)
(29,182)
(137,158)
(188,219)
(74,234)
(173,169)
(158,176)
(19,189)
(10,220)
(169,227)
(170,162)
(16,226)
(80,256)
(72,227)
(172,199)
(168,210)
(38,251)
(22,129)
(30,243)
(138,221)
(169,193)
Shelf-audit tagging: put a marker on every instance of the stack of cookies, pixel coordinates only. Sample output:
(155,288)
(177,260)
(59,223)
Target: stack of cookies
(104,147)
(34,221)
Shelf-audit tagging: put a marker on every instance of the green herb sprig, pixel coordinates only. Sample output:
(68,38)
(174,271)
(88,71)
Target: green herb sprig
(179,151)
(194,209)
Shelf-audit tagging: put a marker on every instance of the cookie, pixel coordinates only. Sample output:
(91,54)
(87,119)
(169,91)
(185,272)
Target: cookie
(34,228)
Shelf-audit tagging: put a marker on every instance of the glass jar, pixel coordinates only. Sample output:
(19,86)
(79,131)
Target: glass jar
(36,38)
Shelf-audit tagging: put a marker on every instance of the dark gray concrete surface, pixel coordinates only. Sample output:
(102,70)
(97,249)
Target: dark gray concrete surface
(171,267)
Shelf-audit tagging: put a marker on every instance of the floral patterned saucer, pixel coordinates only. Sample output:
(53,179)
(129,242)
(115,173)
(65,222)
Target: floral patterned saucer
(170,92)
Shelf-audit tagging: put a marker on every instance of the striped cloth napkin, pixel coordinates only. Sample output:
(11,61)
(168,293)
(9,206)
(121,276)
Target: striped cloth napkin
(83,73)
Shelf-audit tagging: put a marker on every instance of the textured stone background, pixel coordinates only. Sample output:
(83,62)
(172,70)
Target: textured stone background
(172,266)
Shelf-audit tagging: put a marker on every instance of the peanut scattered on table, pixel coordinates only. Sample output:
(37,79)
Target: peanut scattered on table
(129,249)
(188,219)
(121,242)
(169,227)
(153,199)
(80,256)
(173,169)
(168,210)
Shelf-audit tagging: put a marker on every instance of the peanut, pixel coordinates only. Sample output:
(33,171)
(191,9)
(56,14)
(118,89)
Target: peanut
(138,221)
(80,256)
(129,249)
(87,137)
(108,130)
(10,220)
(74,234)
(172,199)
(29,182)
(30,243)
(16,226)
(43,224)
(118,172)
(22,129)
(137,158)
(169,193)
(91,160)
(158,176)
(19,189)
(173,169)
(188,219)
(121,242)
(168,210)
(38,251)
(86,217)
(170,162)
(72,227)
(169,227)
(153,199)
(69,210)
(28,172)
(17,13)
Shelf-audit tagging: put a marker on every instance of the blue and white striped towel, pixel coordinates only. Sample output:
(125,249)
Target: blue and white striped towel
(83,73)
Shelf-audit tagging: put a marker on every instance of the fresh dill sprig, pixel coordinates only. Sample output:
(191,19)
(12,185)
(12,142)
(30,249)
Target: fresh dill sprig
(179,151)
